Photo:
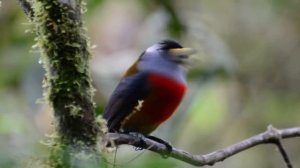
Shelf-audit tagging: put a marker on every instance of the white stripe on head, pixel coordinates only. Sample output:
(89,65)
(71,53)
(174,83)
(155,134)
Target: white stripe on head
(153,48)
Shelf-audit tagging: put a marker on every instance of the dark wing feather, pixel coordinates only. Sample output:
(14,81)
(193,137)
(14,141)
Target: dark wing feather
(124,98)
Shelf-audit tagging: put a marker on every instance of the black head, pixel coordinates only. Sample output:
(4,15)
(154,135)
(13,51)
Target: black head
(169,44)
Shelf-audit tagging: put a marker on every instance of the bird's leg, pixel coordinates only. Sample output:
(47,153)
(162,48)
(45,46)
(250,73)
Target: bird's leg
(167,144)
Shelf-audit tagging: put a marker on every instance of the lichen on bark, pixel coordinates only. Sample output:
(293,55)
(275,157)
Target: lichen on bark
(65,56)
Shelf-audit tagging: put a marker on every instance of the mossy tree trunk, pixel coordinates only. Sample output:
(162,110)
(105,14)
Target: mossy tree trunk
(65,56)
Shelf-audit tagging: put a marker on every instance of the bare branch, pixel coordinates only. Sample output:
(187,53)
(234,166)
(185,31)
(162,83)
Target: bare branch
(270,136)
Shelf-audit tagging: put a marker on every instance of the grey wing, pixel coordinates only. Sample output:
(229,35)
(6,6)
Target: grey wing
(124,98)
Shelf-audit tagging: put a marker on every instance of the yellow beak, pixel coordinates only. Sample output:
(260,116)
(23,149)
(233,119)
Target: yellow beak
(181,51)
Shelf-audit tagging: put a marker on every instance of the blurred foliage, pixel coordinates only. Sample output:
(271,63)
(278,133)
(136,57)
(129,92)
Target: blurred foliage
(93,4)
(174,27)
(244,77)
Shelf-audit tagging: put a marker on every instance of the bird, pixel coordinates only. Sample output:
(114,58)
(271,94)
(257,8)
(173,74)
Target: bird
(150,90)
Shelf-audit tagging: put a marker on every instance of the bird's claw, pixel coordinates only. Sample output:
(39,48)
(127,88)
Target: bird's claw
(141,137)
(142,144)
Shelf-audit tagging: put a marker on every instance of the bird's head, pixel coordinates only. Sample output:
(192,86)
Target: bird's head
(167,51)
(166,57)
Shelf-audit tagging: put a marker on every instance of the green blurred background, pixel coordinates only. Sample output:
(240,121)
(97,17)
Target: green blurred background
(246,76)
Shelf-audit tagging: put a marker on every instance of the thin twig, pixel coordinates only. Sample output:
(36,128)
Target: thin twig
(209,159)
(277,141)
(283,154)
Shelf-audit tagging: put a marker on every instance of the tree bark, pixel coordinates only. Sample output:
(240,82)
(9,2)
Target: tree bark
(67,82)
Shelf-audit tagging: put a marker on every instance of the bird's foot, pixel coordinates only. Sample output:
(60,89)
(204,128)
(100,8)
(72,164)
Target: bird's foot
(142,144)
(141,137)
(167,144)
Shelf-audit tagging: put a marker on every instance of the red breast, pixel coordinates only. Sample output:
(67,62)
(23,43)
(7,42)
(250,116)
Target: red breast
(163,99)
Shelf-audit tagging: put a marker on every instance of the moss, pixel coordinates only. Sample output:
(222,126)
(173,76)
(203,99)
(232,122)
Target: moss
(67,82)
(102,125)
(74,110)
(61,156)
